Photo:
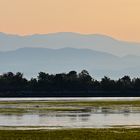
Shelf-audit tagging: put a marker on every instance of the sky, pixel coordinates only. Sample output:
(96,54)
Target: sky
(116,18)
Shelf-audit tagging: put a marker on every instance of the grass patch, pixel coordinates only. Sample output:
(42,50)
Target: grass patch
(13,107)
(12,110)
(71,134)
(77,103)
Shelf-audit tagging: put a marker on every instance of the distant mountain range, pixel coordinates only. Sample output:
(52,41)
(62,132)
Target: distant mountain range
(96,42)
(30,61)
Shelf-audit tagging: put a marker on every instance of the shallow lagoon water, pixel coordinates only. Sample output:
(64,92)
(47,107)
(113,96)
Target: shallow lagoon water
(71,120)
(91,118)
(73,99)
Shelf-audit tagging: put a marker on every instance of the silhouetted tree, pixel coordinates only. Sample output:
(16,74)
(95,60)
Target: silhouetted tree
(107,84)
(126,82)
(85,80)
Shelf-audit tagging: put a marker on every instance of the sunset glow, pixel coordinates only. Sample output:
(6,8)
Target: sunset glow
(117,18)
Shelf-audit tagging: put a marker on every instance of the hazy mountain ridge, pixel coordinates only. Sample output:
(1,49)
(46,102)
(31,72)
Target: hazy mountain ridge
(33,60)
(96,42)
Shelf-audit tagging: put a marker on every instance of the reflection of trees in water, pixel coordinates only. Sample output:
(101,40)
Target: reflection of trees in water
(126,114)
(126,111)
(44,115)
(73,118)
(84,117)
(106,110)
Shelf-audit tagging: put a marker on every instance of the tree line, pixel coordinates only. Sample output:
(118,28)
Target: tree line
(64,83)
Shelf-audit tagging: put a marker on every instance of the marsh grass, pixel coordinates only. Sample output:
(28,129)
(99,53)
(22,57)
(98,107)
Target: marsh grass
(12,110)
(77,103)
(71,134)
(15,107)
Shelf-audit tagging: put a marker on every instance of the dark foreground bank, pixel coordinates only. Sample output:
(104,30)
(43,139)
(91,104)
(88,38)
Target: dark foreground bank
(72,134)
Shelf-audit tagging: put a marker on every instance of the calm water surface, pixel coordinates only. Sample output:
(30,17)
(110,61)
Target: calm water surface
(71,120)
(96,118)
(74,99)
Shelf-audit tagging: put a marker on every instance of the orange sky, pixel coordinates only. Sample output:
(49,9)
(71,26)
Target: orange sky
(117,18)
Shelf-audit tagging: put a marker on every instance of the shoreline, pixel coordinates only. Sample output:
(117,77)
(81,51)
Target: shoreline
(68,94)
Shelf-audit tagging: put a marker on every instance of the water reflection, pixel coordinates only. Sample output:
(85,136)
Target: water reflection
(73,99)
(89,117)
(96,118)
